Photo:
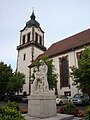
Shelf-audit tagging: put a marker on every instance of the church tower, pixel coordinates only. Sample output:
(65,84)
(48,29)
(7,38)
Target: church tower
(31,45)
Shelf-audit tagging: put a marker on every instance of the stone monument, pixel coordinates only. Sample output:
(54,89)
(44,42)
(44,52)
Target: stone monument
(42,101)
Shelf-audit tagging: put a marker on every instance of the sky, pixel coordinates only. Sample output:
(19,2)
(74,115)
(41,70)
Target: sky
(59,19)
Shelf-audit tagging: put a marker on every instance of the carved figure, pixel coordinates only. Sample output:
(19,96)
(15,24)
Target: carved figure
(40,83)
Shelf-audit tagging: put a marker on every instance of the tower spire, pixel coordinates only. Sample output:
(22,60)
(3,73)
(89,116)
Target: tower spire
(33,9)
(33,16)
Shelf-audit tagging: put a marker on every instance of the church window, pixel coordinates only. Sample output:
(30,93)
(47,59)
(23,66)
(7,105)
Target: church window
(40,38)
(79,56)
(28,37)
(24,57)
(36,37)
(64,72)
(23,41)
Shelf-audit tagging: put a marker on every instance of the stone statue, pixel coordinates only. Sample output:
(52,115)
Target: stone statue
(40,83)
(42,101)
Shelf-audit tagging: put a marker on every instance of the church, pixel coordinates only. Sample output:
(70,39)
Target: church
(65,53)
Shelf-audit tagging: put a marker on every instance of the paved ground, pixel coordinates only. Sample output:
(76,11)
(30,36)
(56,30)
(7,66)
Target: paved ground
(22,105)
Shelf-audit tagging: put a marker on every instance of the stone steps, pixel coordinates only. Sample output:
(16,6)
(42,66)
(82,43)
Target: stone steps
(58,117)
(77,118)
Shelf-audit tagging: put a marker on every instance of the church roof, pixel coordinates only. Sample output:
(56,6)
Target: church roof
(76,41)
(70,43)
(32,22)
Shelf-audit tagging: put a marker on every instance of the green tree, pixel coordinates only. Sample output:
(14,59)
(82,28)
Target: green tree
(10,82)
(51,75)
(16,83)
(81,75)
(5,74)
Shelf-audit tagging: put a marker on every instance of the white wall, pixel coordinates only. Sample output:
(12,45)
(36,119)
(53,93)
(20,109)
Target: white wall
(23,65)
(72,59)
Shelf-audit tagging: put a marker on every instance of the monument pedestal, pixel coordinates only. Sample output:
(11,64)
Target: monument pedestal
(42,105)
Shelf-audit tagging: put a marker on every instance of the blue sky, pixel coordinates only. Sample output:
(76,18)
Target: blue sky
(58,18)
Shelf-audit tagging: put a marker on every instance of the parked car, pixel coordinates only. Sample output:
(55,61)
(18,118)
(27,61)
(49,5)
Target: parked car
(80,99)
(61,99)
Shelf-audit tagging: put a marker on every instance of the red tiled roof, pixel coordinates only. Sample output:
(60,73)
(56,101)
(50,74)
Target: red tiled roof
(75,41)
(70,43)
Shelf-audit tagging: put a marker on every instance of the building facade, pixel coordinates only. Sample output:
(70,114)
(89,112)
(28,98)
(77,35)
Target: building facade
(65,53)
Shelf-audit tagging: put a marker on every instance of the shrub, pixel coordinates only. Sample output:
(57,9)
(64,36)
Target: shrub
(68,108)
(13,105)
(87,114)
(9,112)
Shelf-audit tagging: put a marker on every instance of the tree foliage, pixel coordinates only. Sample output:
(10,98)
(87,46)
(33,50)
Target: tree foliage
(10,82)
(15,83)
(81,75)
(5,74)
(51,75)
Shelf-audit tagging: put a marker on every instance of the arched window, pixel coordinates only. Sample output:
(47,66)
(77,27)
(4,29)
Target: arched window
(64,72)
(36,37)
(28,37)
(23,40)
(40,39)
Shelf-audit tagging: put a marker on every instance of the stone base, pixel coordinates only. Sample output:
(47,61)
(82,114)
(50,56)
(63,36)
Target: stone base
(57,117)
(42,105)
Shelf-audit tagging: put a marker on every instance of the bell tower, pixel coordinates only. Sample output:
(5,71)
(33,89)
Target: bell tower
(31,45)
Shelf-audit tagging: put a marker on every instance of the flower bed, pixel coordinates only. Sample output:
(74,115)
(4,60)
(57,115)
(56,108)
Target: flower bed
(69,108)
(23,110)
(78,113)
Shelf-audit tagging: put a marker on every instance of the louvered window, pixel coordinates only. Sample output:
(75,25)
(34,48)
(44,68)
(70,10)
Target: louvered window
(23,41)
(28,37)
(40,38)
(36,37)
